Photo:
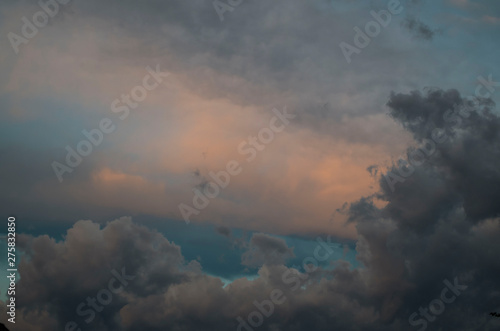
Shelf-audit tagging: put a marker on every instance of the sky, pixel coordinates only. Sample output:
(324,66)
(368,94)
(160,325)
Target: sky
(250,165)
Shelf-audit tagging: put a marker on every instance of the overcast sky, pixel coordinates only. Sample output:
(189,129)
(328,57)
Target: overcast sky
(116,115)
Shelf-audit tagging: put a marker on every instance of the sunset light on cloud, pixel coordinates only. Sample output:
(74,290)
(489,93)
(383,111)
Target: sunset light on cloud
(250,165)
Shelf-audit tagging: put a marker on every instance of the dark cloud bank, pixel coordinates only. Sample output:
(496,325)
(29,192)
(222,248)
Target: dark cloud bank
(440,225)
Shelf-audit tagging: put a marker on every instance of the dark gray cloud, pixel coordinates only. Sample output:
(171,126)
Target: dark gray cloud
(462,171)
(226,232)
(440,223)
(419,29)
(266,250)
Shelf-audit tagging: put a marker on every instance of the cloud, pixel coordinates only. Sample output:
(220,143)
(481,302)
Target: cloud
(266,250)
(462,171)
(63,274)
(225,80)
(419,29)
(491,19)
(56,276)
(403,268)
(226,232)
(434,225)
(441,223)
